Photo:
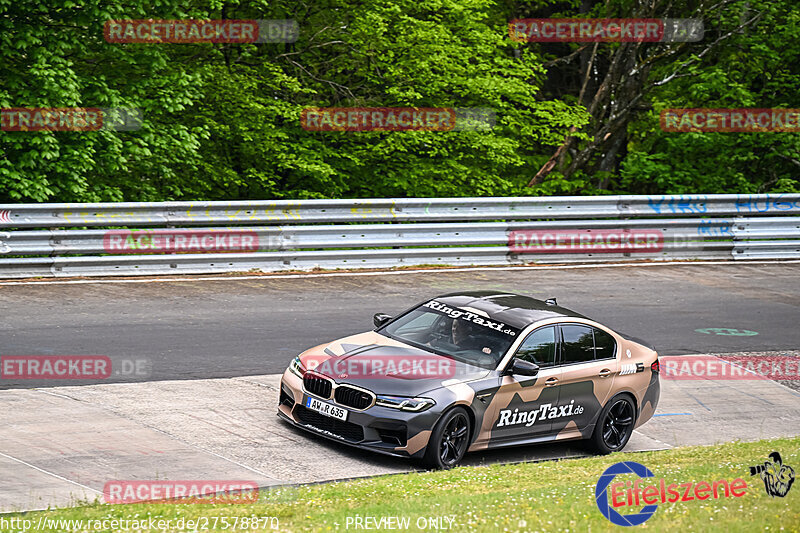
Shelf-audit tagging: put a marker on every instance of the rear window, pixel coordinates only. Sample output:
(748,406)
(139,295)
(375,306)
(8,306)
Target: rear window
(577,344)
(604,345)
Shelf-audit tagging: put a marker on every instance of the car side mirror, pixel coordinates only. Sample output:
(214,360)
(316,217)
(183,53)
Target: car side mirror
(522,367)
(380,319)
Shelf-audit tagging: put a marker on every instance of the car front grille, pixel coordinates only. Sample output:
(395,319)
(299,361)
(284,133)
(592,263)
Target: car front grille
(352,397)
(318,386)
(346,430)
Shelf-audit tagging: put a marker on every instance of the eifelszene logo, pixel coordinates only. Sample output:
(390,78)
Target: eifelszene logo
(778,477)
(634,494)
(601,495)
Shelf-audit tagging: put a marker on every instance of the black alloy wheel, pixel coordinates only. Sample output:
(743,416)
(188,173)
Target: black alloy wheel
(449,440)
(615,425)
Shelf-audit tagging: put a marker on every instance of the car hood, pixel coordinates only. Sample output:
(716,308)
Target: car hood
(386,366)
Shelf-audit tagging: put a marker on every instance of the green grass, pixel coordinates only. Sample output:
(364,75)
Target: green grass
(547,496)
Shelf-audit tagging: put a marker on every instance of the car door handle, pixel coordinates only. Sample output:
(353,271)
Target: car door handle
(604,373)
(551,382)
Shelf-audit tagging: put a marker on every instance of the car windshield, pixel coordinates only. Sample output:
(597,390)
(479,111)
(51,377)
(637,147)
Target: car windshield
(462,334)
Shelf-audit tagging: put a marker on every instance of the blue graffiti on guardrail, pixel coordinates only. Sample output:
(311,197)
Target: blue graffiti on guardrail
(744,203)
(754,204)
(712,228)
(680,204)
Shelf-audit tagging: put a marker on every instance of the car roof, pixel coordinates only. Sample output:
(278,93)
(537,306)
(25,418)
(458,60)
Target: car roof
(512,309)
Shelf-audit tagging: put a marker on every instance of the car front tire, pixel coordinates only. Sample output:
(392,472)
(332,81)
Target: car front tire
(449,440)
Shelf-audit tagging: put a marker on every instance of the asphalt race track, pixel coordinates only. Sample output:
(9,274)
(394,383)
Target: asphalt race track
(228,328)
(62,445)
(204,408)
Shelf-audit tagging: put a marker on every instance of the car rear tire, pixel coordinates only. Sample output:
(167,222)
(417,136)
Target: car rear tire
(614,425)
(449,440)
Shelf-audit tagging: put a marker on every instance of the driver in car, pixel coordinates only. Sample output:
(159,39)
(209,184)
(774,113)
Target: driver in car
(467,336)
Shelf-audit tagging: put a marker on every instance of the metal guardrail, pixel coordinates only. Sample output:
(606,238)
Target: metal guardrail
(277,238)
(391,210)
(302,235)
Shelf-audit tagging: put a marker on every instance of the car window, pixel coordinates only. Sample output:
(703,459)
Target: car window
(577,344)
(539,347)
(421,322)
(604,345)
(449,330)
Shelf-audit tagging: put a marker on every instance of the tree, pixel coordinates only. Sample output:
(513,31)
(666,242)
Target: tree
(54,55)
(623,85)
(444,53)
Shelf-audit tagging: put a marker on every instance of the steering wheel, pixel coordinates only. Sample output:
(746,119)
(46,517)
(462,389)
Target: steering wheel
(442,341)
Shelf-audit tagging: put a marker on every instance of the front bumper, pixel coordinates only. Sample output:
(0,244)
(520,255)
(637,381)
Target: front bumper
(379,429)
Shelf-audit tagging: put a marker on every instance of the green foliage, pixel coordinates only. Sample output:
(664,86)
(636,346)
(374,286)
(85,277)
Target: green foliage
(222,121)
(757,67)
(374,54)
(54,55)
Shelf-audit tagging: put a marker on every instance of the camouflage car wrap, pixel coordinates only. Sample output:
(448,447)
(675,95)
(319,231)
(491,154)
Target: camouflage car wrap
(560,402)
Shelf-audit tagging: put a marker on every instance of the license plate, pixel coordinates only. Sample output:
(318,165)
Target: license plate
(326,409)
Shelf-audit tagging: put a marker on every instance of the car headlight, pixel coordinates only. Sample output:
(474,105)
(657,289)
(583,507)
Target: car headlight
(404,403)
(296,367)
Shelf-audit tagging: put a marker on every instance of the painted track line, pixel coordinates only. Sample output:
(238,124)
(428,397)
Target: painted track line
(43,471)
